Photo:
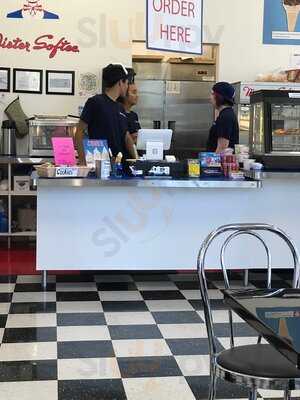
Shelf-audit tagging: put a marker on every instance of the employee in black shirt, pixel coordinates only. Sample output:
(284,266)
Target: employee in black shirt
(129,101)
(224,133)
(104,117)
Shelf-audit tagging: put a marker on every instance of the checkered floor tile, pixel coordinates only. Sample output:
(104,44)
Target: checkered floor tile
(113,337)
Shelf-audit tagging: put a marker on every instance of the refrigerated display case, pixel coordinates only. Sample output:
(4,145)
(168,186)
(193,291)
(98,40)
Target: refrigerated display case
(275,128)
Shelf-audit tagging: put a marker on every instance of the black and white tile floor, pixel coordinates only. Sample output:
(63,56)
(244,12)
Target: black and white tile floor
(113,337)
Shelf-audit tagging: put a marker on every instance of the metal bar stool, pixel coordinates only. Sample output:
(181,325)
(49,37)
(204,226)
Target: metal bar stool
(233,365)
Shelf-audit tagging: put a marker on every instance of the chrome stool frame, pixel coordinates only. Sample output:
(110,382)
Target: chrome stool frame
(252,382)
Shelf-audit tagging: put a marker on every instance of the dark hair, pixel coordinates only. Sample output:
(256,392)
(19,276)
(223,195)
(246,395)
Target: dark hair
(112,74)
(220,101)
(108,85)
(131,75)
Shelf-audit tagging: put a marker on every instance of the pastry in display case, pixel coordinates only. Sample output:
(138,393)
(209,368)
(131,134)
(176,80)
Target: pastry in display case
(275,128)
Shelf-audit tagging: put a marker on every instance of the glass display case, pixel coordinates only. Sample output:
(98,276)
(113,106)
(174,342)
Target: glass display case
(243,92)
(43,129)
(275,128)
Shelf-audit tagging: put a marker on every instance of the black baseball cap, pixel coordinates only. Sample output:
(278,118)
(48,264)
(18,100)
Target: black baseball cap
(226,90)
(114,73)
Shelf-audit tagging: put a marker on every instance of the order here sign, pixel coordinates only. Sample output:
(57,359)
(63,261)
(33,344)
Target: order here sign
(175,25)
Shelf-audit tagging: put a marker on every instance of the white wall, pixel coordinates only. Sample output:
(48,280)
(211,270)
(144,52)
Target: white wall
(237,25)
(104,30)
(101,28)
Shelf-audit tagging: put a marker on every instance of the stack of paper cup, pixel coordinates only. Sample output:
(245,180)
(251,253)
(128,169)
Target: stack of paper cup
(248,164)
(241,149)
(242,153)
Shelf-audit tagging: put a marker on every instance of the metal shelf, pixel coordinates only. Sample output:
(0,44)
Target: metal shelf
(286,119)
(18,234)
(9,160)
(23,234)
(11,196)
(30,193)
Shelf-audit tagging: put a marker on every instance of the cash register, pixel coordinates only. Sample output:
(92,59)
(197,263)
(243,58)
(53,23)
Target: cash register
(153,164)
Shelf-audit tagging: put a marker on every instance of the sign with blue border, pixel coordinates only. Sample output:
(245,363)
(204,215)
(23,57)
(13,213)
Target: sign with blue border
(281,22)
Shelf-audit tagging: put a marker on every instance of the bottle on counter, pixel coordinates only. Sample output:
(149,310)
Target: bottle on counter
(3,219)
(105,164)
(118,166)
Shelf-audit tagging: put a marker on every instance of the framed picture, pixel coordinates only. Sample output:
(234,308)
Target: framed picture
(4,79)
(28,81)
(60,82)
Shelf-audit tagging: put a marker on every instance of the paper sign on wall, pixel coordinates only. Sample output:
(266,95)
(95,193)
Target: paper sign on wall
(64,151)
(175,25)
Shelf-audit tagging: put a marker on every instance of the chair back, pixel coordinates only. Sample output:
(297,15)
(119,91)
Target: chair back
(234,231)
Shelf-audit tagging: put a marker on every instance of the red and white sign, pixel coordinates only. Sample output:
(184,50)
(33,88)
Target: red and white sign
(247,89)
(46,43)
(175,25)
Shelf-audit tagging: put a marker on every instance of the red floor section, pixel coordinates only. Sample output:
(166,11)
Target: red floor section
(21,262)
(17,261)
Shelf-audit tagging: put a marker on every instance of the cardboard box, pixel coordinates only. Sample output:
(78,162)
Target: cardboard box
(21,183)
(26,219)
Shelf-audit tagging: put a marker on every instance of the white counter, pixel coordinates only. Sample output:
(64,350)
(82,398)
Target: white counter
(158,225)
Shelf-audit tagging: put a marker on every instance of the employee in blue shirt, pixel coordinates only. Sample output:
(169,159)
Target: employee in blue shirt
(103,116)
(128,102)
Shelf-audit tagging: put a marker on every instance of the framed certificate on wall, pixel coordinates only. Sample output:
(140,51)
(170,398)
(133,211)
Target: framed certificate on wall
(60,82)
(4,79)
(27,81)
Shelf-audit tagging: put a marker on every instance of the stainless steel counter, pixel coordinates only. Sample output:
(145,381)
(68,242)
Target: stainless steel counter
(150,183)
(263,175)
(24,160)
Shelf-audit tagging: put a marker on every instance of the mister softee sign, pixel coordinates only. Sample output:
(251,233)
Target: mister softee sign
(48,43)
(175,25)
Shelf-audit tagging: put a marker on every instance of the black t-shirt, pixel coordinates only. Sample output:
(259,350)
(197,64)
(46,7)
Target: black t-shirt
(106,120)
(226,126)
(133,122)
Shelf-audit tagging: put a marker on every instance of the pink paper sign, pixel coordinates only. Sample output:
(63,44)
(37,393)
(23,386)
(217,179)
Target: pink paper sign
(64,151)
